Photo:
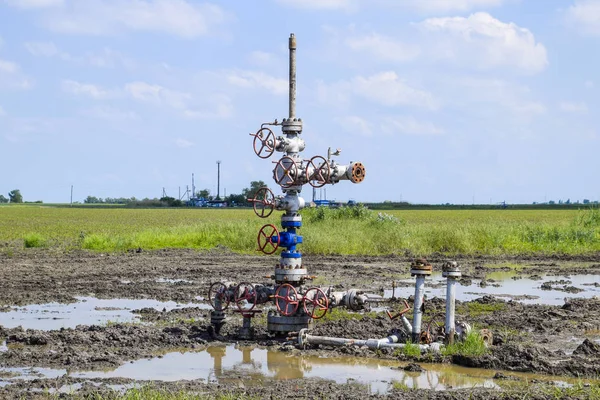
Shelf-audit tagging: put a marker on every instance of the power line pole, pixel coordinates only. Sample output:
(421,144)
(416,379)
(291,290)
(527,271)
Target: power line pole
(218,179)
(71,195)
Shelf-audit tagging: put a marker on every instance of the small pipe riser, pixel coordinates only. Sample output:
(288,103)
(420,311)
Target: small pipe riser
(417,312)
(450,309)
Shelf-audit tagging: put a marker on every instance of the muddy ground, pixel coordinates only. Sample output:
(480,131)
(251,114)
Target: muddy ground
(527,338)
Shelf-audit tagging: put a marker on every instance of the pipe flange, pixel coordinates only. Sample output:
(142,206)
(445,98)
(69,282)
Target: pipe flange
(291,218)
(303,337)
(358,172)
(291,125)
(451,269)
(420,267)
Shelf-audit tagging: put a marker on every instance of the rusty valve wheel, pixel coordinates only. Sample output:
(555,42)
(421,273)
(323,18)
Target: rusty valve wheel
(321,174)
(264,142)
(265,239)
(317,304)
(244,291)
(287,303)
(217,295)
(435,329)
(285,172)
(401,313)
(263,202)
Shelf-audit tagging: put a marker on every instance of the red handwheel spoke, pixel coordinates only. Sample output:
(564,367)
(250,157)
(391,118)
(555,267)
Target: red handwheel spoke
(316,303)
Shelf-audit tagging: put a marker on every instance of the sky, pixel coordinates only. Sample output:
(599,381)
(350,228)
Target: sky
(444,101)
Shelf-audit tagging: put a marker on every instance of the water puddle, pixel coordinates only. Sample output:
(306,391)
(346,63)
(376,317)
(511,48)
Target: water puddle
(504,285)
(87,311)
(173,281)
(253,366)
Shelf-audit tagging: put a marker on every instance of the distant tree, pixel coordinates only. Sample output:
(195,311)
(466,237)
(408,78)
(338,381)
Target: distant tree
(3,199)
(586,201)
(236,199)
(250,192)
(93,200)
(204,194)
(15,196)
(551,202)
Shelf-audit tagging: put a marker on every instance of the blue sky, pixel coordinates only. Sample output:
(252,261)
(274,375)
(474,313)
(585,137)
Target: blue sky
(442,100)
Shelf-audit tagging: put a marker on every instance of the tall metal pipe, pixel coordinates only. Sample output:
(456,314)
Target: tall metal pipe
(292,94)
(419,268)
(450,271)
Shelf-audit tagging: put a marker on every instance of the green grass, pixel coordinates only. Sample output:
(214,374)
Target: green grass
(474,309)
(411,350)
(342,314)
(150,393)
(472,346)
(326,231)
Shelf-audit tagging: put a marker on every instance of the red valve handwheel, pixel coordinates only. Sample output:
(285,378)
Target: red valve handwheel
(264,142)
(218,291)
(290,300)
(245,291)
(265,240)
(317,304)
(285,172)
(321,174)
(401,313)
(263,200)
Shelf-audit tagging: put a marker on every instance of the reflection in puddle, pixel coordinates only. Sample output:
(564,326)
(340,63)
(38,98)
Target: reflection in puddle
(253,366)
(508,288)
(87,311)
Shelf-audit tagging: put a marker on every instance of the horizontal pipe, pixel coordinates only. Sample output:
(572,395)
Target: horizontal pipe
(386,343)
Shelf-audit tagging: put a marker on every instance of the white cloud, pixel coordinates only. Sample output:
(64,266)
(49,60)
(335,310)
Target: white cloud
(8,67)
(584,16)
(428,6)
(12,77)
(383,47)
(355,124)
(255,79)
(110,114)
(484,42)
(157,95)
(88,89)
(410,126)
(384,88)
(577,108)
(589,84)
(262,58)
(106,58)
(2,112)
(181,18)
(216,106)
(31,4)
(328,5)
(183,143)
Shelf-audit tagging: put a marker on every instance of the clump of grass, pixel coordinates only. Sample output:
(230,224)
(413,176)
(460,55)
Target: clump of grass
(400,386)
(342,314)
(475,309)
(472,346)
(34,240)
(589,217)
(150,393)
(409,350)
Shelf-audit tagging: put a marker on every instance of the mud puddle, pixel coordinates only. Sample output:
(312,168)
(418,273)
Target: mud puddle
(547,290)
(232,365)
(87,311)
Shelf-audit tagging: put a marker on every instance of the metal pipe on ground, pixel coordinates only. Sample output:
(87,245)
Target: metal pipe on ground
(386,343)
(421,269)
(451,271)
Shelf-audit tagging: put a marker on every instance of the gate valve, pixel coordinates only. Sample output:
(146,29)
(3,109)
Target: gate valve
(318,176)
(245,292)
(401,313)
(285,172)
(268,239)
(289,300)
(315,305)
(217,296)
(264,142)
(289,239)
(263,202)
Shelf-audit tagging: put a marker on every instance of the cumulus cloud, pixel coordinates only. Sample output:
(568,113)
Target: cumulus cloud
(87,89)
(355,124)
(256,79)
(427,6)
(385,88)
(577,108)
(383,47)
(110,114)
(183,18)
(484,42)
(33,4)
(410,126)
(12,77)
(183,143)
(584,16)
(157,95)
(2,112)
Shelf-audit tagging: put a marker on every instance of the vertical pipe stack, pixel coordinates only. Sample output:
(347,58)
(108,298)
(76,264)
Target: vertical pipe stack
(419,268)
(450,271)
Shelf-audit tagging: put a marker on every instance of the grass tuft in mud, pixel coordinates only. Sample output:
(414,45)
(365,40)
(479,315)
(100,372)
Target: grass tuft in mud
(34,240)
(472,346)
(150,393)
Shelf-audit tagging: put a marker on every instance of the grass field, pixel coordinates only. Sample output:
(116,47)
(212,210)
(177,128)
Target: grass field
(326,231)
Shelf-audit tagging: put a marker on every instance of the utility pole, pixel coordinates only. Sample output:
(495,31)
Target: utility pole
(71,195)
(193,187)
(218,179)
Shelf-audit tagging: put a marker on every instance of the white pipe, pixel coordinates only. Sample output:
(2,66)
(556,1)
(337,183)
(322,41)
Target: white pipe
(417,308)
(450,309)
(374,344)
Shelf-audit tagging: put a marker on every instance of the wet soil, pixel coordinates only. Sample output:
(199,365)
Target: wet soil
(557,340)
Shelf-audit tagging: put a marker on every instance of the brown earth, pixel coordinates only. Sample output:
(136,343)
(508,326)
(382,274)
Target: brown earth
(527,338)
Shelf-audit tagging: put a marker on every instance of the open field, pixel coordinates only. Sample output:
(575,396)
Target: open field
(343,231)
